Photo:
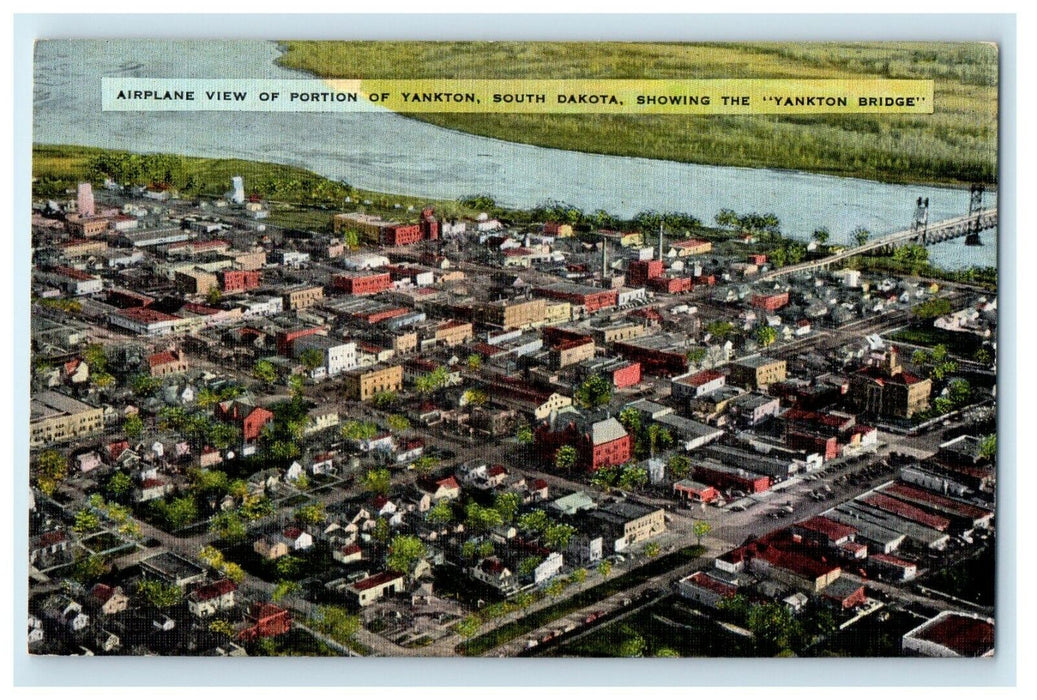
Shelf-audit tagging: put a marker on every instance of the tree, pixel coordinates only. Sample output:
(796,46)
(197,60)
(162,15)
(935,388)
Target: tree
(377,481)
(51,468)
(988,446)
(213,296)
(431,382)
(209,483)
(605,568)
(441,513)
(86,521)
(507,504)
(310,514)
(101,380)
(959,392)
(524,434)
(773,625)
(679,466)
(289,566)
(632,643)
(119,486)
(821,235)
(384,399)
(666,653)
(351,238)
(158,594)
(557,536)
(474,397)
(860,235)
(356,430)
(311,358)
(95,357)
(652,549)
(555,588)
(533,521)
(90,569)
(265,372)
(145,385)
(474,362)
(284,589)
(180,512)
(720,329)
(633,477)
(398,423)
(630,418)
(469,626)
(133,426)
(565,458)
(527,566)
(425,464)
(983,357)
(932,308)
(228,526)
(726,218)
(481,519)
(696,355)
(701,528)
(336,622)
(404,552)
(222,628)
(578,576)
(595,391)
(766,335)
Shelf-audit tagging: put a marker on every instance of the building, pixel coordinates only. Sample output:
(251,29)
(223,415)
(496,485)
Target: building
(248,418)
(451,333)
(145,321)
(362,384)
(708,590)
(695,384)
(195,281)
(757,372)
(302,297)
(598,443)
(692,246)
(56,418)
(362,282)
(629,523)
(889,567)
(74,282)
(239,280)
(337,356)
(640,271)
(515,313)
(690,491)
(884,388)
(207,600)
(951,634)
(770,302)
(590,298)
(168,362)
(373,588)
(265,620)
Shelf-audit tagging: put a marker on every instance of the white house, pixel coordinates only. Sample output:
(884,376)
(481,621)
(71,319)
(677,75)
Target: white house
(549,568)
(206,601)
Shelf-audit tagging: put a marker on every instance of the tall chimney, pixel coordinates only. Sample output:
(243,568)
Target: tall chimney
(660,240)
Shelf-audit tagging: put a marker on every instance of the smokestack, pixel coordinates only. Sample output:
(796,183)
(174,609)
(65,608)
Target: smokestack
(660,240)
(604,260)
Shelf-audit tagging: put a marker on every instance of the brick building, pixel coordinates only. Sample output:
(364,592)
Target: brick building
(361,282)
(362,384)
(239,280)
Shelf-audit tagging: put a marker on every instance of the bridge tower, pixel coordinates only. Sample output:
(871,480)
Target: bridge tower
(975,207)
(920,224)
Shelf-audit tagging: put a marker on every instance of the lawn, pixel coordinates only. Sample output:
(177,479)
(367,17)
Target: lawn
(667,625)
(957,144)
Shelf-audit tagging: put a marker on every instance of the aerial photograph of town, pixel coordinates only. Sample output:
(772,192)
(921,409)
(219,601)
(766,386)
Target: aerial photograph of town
(507,384)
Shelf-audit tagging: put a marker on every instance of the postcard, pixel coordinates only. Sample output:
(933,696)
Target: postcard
(513,349)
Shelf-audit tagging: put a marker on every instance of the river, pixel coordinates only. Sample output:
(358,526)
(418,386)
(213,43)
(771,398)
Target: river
(390,153)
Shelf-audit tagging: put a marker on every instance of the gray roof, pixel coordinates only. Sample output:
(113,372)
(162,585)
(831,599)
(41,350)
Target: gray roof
(606,431)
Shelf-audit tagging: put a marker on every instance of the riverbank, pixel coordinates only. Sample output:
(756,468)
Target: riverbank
(956,145)
(302,199)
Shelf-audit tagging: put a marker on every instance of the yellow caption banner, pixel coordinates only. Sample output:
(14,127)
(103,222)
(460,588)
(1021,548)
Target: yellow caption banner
(720,96)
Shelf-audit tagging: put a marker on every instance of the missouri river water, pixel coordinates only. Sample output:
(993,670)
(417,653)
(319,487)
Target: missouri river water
(389,153)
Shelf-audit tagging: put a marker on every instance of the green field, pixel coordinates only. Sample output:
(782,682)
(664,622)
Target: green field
(957,144)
